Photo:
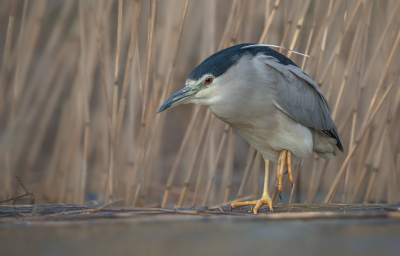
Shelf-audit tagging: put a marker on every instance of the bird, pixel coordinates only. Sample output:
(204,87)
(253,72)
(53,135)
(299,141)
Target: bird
(270,101)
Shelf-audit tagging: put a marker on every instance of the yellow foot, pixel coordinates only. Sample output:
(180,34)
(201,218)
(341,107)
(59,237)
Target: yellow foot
(264,200)
(285,157)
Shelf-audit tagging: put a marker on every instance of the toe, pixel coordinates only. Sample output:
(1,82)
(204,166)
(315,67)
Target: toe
(255,210)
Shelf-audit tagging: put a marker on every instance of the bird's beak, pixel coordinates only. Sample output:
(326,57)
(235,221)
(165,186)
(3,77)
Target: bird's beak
(184,95)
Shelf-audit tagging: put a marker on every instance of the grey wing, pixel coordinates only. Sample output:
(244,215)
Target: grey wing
(296,94)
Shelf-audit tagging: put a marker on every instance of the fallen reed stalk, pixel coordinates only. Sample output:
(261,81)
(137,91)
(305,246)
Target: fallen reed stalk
(14,198)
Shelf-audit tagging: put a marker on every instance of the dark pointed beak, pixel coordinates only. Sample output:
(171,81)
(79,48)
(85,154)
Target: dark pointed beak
(184,95)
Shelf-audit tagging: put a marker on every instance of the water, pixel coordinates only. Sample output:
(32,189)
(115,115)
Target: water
(197,235)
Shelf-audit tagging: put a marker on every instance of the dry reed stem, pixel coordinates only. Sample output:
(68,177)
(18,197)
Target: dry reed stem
(179,155)
(376,164)
(113,128)
(109,191)
(58,27)
(309,198)
(57,151)
(211,179)
(337,48)
(109,113)
(86,110)
(361,178)
(7,49)
(383,76)
(203,158)
(132,169)
(325,24)
(156,125)
(118,110)
(383,157)
(47,113)
(247,171)
(110,188)
(193,118)
(323,34)
(312,30)
(268,23)
(229,161)
(350,63)
(7,176)
(35,27)
(367,165)
(225,39)
(18,65)
(334,185)
(8,155)
(124,92)
(193,163)
(288,24)
(256,174)
(299,26)
(347,192)
(378,46)
(370,185)
(141,166)
(234,39)
(349,66)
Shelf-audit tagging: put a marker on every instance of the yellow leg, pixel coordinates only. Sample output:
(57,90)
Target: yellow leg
(265,199)
(289,165)
(281,166)
(285,157)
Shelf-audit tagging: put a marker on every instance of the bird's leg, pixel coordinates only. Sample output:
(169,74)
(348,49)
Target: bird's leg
(281,165)
(265,199)
(289,165)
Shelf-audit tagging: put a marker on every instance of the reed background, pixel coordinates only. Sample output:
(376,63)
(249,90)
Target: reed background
(81,82)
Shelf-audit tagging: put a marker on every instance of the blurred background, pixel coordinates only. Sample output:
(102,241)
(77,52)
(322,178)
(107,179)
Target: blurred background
(81,82)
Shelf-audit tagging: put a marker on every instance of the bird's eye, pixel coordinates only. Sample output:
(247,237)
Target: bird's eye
(208,80)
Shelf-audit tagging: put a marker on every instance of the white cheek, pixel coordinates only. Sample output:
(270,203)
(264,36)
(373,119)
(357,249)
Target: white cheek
(207,96)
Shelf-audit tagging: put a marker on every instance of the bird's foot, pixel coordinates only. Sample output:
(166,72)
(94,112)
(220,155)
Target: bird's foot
(265,199)
(285,157)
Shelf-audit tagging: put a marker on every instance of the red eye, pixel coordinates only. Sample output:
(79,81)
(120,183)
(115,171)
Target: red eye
(208,80)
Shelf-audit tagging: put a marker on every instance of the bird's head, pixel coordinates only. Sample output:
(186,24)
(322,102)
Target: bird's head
(203,85)
(196,91)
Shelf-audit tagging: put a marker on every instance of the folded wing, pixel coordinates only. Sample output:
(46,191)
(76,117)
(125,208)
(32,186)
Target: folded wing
(296,94)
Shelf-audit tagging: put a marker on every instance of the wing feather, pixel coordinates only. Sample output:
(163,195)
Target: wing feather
(296,94)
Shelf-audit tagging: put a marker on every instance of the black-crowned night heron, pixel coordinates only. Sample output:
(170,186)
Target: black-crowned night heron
(269,100)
